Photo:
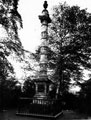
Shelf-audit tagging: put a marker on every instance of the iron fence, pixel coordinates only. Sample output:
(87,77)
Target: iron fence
(38,106)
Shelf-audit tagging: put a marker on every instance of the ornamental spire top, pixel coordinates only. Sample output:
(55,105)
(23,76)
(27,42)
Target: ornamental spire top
(45,14)
(45,5)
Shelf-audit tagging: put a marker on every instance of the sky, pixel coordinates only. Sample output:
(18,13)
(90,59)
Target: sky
(29,10)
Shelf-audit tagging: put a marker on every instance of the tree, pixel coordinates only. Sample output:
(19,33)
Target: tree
(10,20)
(70,43)
(29,88)
(84,100)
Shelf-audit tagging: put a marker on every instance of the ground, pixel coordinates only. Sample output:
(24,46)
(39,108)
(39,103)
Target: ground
(67,115)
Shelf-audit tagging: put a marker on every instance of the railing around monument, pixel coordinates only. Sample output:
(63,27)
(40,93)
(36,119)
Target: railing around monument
(40,107)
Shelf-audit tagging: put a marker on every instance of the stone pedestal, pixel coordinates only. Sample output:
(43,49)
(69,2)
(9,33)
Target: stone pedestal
(42,89)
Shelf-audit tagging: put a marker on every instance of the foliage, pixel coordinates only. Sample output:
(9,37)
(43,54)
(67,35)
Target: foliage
(69,40)
(86,87)
(9,93)
(10,21)
(84,98)
(70,101)
(29,88)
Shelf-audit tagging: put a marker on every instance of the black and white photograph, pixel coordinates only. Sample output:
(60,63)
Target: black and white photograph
(45,60)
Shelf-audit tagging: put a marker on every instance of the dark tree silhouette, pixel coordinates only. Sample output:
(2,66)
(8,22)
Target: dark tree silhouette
(10,21)
(85,97)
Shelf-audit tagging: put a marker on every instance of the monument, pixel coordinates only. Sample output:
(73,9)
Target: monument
(42,83)
(41,104)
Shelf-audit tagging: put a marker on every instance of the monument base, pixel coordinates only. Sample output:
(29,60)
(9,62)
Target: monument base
(40,115)
(46,108)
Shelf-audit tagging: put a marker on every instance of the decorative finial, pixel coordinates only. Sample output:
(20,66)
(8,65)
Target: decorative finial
(45,4)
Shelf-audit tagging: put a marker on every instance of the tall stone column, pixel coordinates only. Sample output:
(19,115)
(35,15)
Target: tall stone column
(42,83)
(45,20)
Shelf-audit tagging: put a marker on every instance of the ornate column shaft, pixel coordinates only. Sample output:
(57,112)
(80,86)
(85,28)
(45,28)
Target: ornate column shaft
(45,19)
(42,83)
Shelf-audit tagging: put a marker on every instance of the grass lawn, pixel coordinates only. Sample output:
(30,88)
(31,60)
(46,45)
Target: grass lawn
(67,115)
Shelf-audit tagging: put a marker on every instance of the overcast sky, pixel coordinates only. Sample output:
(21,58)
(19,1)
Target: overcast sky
(30,9)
